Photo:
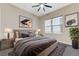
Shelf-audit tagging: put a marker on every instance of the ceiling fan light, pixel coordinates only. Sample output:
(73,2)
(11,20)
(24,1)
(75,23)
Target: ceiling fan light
(41,5)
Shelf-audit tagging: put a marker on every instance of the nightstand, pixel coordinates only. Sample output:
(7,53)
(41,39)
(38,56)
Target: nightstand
(6,43)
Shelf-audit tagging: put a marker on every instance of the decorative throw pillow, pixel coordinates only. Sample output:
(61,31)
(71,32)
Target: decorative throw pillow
(31,33)
(23,35)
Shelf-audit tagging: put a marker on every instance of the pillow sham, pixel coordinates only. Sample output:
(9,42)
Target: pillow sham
(23,35)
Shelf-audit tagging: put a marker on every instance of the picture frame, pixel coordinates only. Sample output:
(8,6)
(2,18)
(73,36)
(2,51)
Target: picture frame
(25,22)
(71,20)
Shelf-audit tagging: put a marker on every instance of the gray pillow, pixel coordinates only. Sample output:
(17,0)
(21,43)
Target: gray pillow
(31,33)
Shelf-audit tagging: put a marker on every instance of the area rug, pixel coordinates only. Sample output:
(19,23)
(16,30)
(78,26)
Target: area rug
(57,52)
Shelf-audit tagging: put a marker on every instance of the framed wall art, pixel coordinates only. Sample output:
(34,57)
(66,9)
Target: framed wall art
(25,22)
(71,19)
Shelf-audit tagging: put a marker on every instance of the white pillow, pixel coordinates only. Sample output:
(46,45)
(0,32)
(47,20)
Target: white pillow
(17,39)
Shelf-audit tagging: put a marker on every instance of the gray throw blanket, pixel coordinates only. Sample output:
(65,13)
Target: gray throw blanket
(32,46)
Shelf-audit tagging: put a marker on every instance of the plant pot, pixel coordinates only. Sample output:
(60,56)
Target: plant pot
(75,44)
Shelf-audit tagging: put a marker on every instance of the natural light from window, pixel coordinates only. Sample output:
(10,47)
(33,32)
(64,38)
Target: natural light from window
(53,25)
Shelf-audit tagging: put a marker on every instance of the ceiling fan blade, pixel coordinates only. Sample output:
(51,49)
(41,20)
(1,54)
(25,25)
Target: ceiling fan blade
(39,9)
(35,5)
(48,6)
(45,3)
(44,9)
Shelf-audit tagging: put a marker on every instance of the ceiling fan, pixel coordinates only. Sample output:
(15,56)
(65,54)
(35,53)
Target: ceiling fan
(42,5)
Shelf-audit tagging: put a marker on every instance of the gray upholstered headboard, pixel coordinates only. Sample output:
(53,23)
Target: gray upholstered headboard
(17,32)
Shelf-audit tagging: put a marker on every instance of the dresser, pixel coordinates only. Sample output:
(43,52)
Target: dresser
(5,43)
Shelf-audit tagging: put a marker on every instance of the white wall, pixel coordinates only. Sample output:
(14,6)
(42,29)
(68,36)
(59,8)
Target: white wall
(10,18)
(0,22)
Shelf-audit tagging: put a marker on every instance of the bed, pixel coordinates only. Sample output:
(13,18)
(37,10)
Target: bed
(33,46)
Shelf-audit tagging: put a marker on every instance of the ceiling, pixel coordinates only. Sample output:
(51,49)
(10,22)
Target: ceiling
(28,7)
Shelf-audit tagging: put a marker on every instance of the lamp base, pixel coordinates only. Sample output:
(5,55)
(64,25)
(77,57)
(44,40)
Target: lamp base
(8,35)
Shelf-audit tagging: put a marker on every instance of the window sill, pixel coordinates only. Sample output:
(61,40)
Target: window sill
(54,33)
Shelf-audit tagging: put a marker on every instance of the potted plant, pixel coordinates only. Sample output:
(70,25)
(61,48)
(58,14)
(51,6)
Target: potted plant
(74,33)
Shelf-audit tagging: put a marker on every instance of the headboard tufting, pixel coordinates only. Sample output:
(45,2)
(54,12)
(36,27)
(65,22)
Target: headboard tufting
(18,32)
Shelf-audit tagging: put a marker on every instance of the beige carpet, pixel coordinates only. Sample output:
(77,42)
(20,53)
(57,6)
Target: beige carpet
(5,52)
(69,51)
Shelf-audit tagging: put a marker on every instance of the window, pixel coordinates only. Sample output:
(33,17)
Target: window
(54,25)
(48,26)
(57,24)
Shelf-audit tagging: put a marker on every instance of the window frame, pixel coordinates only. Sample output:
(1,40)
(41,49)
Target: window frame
(48,26)
(55,25)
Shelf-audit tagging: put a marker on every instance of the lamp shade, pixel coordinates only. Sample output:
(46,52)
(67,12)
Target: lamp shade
(38,30)
(8,30)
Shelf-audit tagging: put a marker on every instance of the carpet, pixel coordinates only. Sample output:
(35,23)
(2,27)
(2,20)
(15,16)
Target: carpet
(57,52)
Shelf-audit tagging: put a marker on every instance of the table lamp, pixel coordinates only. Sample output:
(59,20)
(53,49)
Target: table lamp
(37,32)
(8,31)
